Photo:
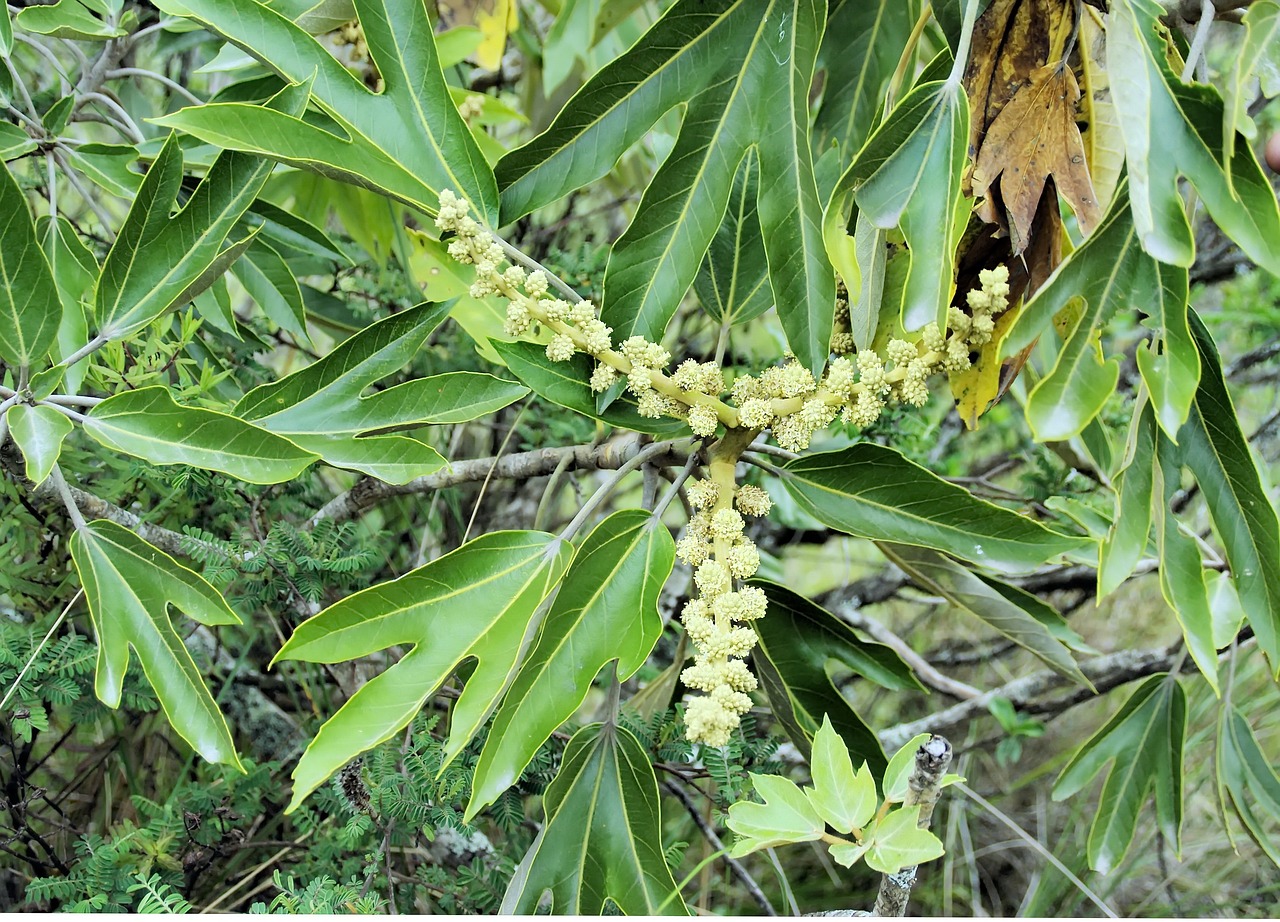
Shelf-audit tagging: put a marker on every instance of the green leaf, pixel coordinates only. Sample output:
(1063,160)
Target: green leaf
(66,19)
(1217,452)
(937,573)
(1246,779)
(321,407)
(148,424)
(733,282)
(785,817)
(845,801)
(130,587)
(1126,541)
(1172,370)
(159,261)
(1257,57)
(14,142)
(602,838)
(29,305)
(273,287)
(606,609)
(1181,572)
(6,33)
(408,142)
(870,491)
(1172,129)
(860,51)
(897,842)
(1145,738)
(478,601)
(908,176)
(744,71)
(565,383)
(897,775)
(75,270)
(38,433)
(800,643)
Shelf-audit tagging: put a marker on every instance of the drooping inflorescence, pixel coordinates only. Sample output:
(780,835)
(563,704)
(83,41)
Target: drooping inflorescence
(785,399)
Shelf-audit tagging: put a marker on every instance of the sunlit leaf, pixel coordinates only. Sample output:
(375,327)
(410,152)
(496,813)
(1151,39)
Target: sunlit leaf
(602,838)
(897,775)
(845,801)
(130,587)
(786,816)
(477,602)
(38,432)
(606,609)
(897,842)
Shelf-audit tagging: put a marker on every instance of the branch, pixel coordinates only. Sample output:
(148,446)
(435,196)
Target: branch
(609,456)
(1105,672)
(931,676)
(923,789)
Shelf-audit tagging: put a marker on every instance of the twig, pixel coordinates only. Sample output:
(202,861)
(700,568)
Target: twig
(922,667)
(589,507)
(159,78)
(369,492)
(1199,40)
(710,834)
(40,646)
(923,788)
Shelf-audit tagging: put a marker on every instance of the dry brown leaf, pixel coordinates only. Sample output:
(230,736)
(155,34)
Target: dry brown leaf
(1035,137)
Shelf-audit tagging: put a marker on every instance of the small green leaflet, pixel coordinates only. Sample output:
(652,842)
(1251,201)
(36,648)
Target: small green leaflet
(66,19)
(75,270)
(602,838)
(1173,129)
(158,260)
(845,801)
(1258,56)
(273,287)
(148,424)
(897,842)
(408,141)
(1145,739)
(785,817)
(938,573)
(870,491)
(897,777)
(733,283)
(321,408)
(1127,539)
(1247,781)
(799,643)
(478,601)
(130,587)
(1218,454)
(29,305)
(38,432)
(606,609)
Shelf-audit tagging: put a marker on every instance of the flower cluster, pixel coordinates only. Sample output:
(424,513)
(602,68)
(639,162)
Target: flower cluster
(717,620)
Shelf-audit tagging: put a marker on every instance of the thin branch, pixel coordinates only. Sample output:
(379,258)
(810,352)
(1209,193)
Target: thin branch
(59,484)
(710,835)
(922,667)
(923,790)
(159,78)
(611,455)
(40,646)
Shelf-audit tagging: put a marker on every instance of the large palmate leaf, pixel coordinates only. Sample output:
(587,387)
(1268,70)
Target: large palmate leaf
(602,838)
(1111,273)
(478,601)
(148,424)
(408,141)
(1217,452)
(907,175)
(1145,739)
(743,70)
(130,587)
(786,816)
(870,491)
(1247,780)
(29,306)
(158,260)
(38,432)
(322,408)
(565,383)
(800,644)
(606,609)
(939,573)
(1174,129)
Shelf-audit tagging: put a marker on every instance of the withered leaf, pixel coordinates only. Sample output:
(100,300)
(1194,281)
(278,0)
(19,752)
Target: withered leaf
(1035,137)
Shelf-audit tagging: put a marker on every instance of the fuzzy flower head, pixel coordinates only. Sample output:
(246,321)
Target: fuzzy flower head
(703,494)
(752,500)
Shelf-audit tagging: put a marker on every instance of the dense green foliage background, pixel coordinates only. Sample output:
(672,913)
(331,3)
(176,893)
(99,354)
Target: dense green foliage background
(325,591)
